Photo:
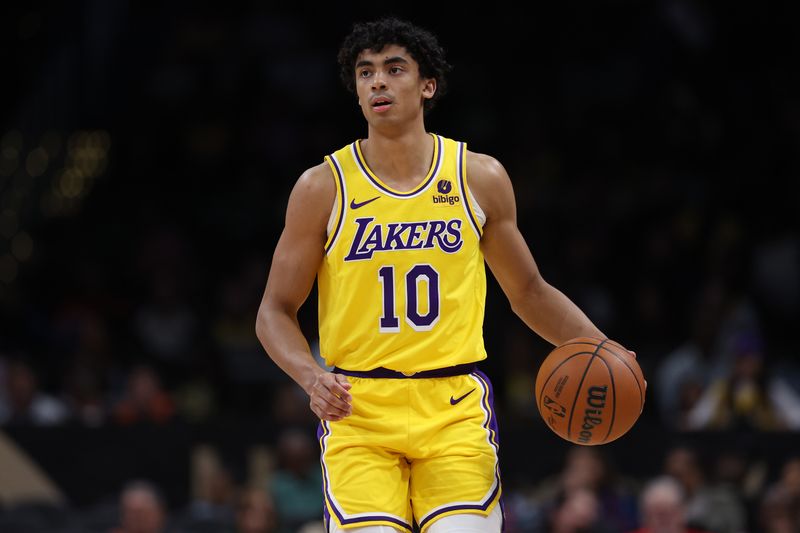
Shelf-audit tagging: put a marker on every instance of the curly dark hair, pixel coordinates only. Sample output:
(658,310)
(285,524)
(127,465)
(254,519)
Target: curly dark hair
(420,43)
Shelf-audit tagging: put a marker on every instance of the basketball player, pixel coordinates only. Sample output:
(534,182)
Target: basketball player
(395,228)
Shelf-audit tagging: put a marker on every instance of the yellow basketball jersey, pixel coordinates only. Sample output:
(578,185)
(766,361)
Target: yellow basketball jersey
(403,282)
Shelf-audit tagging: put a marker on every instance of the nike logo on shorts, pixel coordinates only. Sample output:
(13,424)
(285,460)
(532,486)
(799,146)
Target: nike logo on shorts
(356,205)
(454,401)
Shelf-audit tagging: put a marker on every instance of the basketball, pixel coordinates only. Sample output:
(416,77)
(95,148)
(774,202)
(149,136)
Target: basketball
(590,391)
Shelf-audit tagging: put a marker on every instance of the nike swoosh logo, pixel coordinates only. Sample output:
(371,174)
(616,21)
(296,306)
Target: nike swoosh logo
(356,205)
(454,401)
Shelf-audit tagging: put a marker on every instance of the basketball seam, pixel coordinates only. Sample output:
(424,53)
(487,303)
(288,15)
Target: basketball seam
(635,377)
(547,380)
(578,391)
(578,342)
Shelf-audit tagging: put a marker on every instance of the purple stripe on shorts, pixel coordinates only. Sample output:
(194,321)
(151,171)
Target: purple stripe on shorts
(375,518)
(490,399)
(491,426)
(322,433)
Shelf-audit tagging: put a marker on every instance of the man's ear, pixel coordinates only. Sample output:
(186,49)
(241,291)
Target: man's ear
(429,88)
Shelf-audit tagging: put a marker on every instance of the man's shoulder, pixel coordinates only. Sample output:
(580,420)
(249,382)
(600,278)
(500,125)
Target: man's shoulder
(484,162)
(484,168)
(317,178)
(489,183)
(322,171)
(315,184)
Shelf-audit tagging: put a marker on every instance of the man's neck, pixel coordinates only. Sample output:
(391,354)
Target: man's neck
(401,161)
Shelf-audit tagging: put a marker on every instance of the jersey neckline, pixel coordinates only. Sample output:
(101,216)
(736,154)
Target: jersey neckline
(433,171)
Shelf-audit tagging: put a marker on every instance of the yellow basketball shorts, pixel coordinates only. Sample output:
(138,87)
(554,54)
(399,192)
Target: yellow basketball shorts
(411,452)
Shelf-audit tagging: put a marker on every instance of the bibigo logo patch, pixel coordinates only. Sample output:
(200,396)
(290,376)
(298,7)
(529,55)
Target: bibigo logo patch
(444,198)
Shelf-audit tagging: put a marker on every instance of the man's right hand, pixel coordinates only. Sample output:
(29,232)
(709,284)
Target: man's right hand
(329,397)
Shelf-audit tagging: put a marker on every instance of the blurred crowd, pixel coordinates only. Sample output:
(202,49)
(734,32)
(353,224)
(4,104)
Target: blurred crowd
(649,162)
(588,493)
(727,493)
(279,491)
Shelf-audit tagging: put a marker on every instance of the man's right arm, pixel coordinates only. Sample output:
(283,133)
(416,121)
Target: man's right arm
(298,255)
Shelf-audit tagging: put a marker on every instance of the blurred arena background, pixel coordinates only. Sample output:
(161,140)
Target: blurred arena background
(147,150)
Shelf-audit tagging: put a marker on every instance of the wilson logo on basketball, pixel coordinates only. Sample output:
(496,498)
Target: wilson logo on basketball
(593,415)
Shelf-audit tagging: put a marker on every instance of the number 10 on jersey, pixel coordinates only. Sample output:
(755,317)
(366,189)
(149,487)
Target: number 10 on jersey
(417,276)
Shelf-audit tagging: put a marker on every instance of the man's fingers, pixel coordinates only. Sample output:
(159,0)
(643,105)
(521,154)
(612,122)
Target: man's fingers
(340,386)
(328,408)
(335,402)
(334,389)
(339,404)
(330,399)
(343,380)
(324,415)
(340,392)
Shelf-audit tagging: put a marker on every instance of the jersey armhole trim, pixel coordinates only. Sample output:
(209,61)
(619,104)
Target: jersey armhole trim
(340,204)
(469,201)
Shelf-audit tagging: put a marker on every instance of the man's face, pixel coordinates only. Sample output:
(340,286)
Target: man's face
(663,513)
(663,509)
(141,512)
(791,476)
(389,85)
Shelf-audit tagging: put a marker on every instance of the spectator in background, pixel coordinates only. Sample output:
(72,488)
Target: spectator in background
(144,400)
(777,512)
(213,502)
(747,397)
(166,323)
(578,511)
(684,372)
(296,483)
(663,508)
(84,392)
(779,509)
(741,473)
(253,377)
(588,468)
(255,512)
(790,479)
(142,509)
(166,327)
(708,506)
(24,403)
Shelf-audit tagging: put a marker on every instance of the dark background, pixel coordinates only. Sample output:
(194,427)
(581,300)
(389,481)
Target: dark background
(147,151)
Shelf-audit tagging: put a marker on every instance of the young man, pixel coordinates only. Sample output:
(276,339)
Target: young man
(396,228)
